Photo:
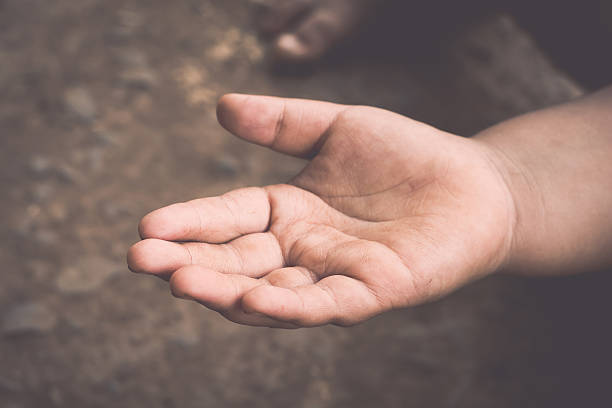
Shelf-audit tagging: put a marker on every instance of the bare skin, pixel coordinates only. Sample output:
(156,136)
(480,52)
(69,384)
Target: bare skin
(559,168)
(304,30)
(388,213)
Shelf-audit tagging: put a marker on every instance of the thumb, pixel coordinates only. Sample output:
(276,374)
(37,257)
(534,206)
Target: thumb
(292,126)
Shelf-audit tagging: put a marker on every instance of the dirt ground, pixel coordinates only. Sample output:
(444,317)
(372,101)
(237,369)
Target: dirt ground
(107,112)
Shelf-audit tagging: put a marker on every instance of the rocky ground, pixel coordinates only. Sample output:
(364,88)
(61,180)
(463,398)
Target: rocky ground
(107,112)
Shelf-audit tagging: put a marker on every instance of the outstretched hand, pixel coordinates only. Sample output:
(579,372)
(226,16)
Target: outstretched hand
(388,213)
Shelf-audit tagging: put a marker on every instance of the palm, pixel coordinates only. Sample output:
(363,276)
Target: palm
(388,213)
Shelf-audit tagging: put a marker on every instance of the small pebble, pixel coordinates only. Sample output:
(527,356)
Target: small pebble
(40,165)
(46,237)
(95,159)
(227,166)
(105,137)
(28,318)
(87,275)
(42,192)
(69,174)
(184,338)
(132,58)
(80,103)
(58,211)
(140,78)
(38,270)
(113,210)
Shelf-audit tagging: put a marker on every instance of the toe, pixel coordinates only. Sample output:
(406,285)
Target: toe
(277,15)
(315,35)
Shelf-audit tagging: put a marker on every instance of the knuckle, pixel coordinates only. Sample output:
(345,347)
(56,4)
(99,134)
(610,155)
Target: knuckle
(280,126)
(352,114)
(235,253)
(233,209)
(190,250)
(179,285)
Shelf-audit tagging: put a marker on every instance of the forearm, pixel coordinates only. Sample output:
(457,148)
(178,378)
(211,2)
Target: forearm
(558,165)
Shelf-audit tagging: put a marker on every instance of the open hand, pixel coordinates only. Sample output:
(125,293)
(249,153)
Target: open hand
(388,213)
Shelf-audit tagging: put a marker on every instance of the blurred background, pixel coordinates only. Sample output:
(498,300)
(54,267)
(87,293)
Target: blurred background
(107,111)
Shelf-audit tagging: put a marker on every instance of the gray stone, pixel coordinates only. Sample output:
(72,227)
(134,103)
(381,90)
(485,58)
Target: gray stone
(87,274)
(105,137)
(41,192)
(58,211)
(23,227)
(29,318)
(227,166)
(95,159)
(129,22)
(113,210)
(141,78)
(27,224)
(69,174)
(40,165)
(77,319)
(184,338)
(46,237)
(80,103)
(38,270)
(132,58)
(43,167)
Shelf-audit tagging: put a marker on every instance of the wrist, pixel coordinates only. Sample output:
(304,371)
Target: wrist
(512,178)
(525,255)
(556,166)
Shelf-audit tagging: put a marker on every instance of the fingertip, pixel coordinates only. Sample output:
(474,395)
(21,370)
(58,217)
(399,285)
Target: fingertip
(148,227)
(167,223)
(154,225)
(263,300)
(137,257)
(154,256)
(230,98)
(131,258)
(227,108)
(253,118)
(181,283)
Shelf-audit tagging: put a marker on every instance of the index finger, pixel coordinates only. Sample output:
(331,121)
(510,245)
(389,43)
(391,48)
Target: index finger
(213,219)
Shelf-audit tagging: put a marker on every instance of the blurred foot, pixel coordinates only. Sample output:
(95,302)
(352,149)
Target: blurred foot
(305,30)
